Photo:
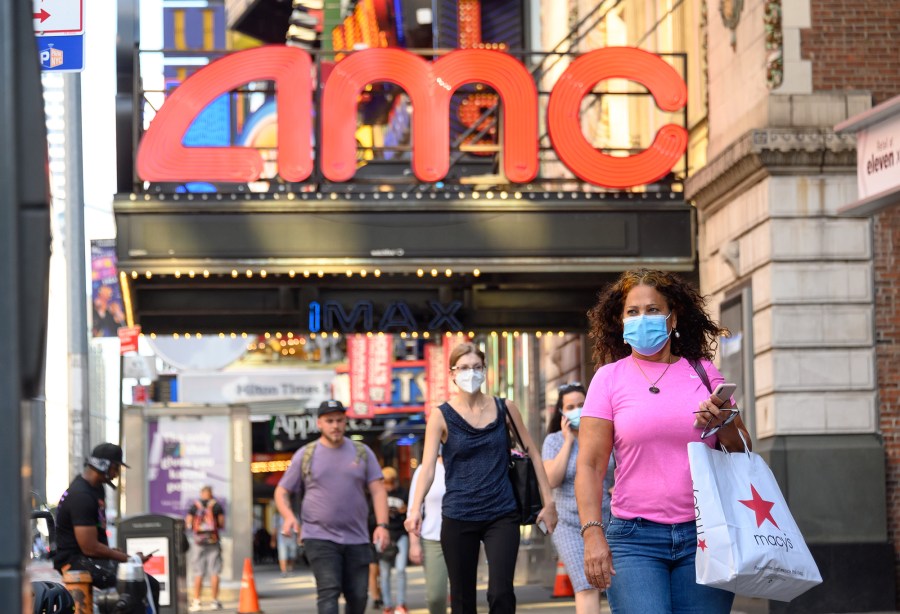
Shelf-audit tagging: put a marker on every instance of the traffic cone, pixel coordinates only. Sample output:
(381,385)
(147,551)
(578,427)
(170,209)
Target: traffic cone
(562,587)
(249,601)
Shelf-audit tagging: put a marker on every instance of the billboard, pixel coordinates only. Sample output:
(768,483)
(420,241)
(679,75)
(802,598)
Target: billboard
(107,313)
(186,454)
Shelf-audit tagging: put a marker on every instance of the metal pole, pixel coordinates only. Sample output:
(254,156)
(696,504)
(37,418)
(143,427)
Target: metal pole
(24,258)
(79,410)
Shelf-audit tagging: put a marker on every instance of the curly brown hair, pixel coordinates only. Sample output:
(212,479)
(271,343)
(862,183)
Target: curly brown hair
(698,333)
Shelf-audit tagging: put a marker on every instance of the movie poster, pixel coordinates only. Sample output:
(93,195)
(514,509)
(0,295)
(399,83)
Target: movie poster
(107,313)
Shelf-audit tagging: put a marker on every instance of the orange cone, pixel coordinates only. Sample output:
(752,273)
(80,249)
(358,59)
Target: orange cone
(562,587)
(249,601)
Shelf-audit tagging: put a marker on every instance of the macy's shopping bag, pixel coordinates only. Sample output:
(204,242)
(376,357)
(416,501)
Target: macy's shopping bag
(747,540)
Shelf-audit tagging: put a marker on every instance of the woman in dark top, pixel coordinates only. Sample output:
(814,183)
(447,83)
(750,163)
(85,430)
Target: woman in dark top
(479,505)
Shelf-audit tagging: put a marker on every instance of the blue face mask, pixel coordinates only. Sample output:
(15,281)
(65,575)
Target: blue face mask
(646,334)
(574,417)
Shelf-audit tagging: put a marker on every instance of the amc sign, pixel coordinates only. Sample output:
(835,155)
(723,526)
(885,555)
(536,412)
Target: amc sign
(162,157)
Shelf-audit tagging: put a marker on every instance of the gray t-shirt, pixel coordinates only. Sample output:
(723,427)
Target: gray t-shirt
(334,500)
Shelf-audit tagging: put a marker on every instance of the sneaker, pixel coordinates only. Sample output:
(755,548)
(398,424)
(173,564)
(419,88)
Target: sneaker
(401,609)
(196,606)
(388,611)
(216,605)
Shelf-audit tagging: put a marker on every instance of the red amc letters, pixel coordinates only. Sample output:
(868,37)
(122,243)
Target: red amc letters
(162,157)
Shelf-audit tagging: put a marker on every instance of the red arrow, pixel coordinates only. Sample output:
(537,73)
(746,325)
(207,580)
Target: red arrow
(43,15)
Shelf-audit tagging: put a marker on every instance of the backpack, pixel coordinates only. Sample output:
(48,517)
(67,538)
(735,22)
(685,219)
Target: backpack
(306,459)
(204,523)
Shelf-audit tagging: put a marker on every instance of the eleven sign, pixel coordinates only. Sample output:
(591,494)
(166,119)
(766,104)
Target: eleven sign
(162,157)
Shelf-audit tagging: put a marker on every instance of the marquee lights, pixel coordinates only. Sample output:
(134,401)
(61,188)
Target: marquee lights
(474,195)
(293,339)
(265,273)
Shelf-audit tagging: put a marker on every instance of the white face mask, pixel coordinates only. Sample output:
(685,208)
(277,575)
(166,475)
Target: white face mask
(470,380)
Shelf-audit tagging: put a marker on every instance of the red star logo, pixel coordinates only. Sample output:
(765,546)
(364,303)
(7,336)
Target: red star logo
(762,507)
(701,543)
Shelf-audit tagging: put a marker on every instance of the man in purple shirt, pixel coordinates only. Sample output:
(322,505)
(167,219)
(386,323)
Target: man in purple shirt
(331,475)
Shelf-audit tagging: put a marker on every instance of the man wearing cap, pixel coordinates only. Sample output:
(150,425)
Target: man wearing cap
(331,476)
(81,542)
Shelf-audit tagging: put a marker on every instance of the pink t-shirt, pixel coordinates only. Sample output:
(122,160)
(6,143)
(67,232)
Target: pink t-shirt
(650,434)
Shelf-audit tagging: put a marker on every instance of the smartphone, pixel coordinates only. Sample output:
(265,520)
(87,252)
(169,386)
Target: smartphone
(542,527)
(724,391)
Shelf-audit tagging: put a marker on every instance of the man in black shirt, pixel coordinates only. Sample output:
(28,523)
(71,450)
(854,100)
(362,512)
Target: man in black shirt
(81,542)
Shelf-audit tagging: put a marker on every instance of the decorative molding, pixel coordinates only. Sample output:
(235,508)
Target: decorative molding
(730,10)
(774,44)
(770,151)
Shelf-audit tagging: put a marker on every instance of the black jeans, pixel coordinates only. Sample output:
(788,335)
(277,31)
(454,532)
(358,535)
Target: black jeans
(461,541)
(339,568)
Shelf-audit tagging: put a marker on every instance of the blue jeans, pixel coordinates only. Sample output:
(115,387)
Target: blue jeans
(339,568)
(399,565)
(654,566)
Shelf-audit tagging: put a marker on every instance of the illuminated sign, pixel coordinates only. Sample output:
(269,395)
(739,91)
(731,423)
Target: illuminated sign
(162,156)
(331,316)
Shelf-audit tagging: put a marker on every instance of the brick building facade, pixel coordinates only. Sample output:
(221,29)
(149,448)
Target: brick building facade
(819,288)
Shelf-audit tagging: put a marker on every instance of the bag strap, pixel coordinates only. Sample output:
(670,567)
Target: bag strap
(701,371)
(501,404)
(306,460)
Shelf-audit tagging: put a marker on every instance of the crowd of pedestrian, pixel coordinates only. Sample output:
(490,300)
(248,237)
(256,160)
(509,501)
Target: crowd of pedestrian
(632,538)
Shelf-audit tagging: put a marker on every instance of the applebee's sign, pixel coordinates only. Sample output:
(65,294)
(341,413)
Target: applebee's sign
(161,156)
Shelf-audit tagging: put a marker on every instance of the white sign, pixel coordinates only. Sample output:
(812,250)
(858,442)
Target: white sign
(878,158)
(56,17)
(136,366)
(308,386)
(158,564)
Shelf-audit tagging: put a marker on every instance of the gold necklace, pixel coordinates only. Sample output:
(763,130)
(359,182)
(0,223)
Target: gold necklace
(479,405)
(653,384)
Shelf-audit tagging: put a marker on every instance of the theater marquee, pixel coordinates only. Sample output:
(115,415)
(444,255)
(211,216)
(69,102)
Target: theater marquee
(322,231)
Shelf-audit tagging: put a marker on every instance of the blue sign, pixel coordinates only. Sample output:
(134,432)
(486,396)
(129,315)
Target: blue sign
(61,53)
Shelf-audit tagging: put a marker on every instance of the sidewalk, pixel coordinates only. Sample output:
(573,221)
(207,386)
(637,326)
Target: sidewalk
(297,594)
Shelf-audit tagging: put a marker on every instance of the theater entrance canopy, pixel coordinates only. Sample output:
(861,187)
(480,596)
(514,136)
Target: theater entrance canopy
(278,190)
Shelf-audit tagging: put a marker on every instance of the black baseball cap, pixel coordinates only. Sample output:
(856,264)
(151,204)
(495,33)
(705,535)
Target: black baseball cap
(331,406)
(110,452)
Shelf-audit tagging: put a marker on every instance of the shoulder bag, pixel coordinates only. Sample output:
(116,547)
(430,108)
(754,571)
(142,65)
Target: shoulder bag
(521,473)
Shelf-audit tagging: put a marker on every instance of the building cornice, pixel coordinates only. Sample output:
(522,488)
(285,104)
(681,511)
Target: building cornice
(770,151)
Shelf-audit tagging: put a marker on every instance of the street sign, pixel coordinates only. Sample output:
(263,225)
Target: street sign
(58,17)
(61,53)
(128,339)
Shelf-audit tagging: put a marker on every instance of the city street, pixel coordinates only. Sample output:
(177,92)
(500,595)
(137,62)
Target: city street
(297,594)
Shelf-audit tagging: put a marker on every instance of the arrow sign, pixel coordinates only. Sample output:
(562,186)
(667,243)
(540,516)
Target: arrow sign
(58,17)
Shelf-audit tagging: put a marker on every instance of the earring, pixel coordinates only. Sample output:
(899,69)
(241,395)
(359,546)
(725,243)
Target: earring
(677,334)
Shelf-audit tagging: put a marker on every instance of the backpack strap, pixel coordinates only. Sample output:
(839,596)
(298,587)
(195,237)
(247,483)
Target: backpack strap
(306,459)
(361,455)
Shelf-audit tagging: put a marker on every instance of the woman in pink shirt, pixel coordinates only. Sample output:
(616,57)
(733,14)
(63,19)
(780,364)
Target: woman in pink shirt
(647,402)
